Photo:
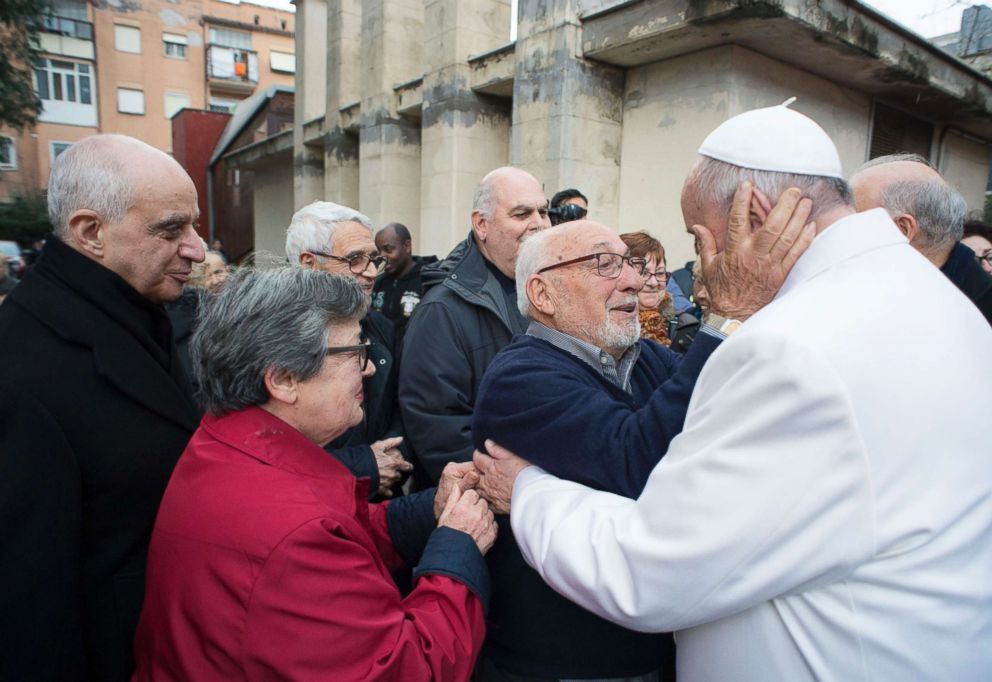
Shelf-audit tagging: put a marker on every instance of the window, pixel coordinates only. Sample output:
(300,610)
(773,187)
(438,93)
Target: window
(284,62)
(8,153)
(67,91)
(232,64)
(63,81)
(175,45)
(130,101)
(127,38)
(174,101)
(893,132)
(57,148)
(224,106)
(228,37)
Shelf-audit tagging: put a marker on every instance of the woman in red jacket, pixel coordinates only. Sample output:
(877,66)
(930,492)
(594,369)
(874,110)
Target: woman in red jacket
(266,561)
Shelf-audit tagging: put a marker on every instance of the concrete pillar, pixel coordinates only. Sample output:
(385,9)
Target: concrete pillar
(343,30)
(389,146)
(567,112)
(463,135)
(309,99)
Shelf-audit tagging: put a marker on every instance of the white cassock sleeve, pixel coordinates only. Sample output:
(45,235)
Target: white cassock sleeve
(766,492)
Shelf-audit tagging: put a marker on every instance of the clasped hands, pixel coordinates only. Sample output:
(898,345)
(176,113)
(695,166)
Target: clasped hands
(471,492)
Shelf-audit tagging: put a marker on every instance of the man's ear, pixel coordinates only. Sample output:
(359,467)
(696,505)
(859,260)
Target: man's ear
(760,208)
(408,245)
(480,226)
(308,260)
(282,387)
(540,295)
(86,232)
(908,226)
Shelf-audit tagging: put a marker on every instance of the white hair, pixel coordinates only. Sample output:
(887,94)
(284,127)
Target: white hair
(939,209)
(533,256)
(312,228)
(716,182)
(91,174)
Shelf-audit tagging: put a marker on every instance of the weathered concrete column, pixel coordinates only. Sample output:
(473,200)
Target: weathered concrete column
(567,112)
(463,135)
(309,99)
(343,30)
(389,146)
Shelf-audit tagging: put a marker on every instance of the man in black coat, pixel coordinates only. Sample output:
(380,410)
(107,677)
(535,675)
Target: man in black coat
(94,409)
(338,240)
(468,313)
(930,213)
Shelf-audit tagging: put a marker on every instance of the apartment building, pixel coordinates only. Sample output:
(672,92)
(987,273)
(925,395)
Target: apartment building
(128,67)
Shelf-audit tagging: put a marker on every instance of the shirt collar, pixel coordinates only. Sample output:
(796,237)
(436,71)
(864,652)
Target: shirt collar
(602,362)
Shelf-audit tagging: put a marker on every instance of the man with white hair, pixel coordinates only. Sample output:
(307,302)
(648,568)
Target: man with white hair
(338,240)
(826,512)
(602,406)
(94,408)
(930,213)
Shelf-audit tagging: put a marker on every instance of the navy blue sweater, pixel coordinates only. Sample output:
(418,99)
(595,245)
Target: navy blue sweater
(561,414)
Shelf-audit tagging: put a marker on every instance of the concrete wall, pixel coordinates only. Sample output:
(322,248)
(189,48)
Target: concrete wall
(670,107)
(273,208)
(964,163)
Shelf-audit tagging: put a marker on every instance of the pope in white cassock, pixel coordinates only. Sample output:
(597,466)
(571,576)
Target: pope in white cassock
(827,511)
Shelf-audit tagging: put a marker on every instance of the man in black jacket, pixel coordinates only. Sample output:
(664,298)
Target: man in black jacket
(94,409)
(467,314)
(930,213)
(400,287)
(338,240)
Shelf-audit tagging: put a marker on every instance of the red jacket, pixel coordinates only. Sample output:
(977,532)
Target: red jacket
(267,562)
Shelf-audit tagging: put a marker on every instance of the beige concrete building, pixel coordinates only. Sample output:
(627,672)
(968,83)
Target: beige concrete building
(127,67)
(403,105)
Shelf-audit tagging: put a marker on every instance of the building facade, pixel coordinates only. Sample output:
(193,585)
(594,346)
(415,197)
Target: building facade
(403,105)
(128,67)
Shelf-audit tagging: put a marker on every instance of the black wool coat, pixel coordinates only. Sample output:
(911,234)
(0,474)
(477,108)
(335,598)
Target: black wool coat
(94,413)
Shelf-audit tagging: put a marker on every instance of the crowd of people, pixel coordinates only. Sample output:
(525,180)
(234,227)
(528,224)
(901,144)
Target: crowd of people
(533,459)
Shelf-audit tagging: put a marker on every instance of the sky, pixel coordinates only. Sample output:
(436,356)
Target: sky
(929,18)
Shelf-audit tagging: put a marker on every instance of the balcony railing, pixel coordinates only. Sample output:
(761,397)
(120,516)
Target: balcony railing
(72,28)
(232,64)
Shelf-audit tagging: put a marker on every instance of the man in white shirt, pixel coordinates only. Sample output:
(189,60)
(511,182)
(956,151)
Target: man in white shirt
(826,512)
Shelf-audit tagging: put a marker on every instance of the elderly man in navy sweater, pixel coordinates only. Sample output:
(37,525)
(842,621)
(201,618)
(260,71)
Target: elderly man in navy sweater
(585,398)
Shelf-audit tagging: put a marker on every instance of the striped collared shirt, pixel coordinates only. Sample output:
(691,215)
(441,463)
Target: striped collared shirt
(617,374)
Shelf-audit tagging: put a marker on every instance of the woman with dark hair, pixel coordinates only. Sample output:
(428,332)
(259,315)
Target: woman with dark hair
(266,561)
(654,302)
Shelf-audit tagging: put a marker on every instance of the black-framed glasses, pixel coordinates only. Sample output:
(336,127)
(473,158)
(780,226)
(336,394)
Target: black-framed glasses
(987,256)
(608,265)
(660,275)
(361,350)
(358,262)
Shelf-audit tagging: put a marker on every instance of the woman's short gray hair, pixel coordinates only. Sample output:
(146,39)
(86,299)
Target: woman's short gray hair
(267,319)
(89,174)
(716,182)
(312,228)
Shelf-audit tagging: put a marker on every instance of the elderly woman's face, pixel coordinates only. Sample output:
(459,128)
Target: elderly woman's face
(331,402)
(650,296)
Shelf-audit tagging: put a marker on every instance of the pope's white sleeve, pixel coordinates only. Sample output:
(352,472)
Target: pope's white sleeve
(766,491)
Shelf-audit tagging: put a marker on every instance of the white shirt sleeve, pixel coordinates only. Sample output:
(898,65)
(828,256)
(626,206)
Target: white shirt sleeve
(766,492)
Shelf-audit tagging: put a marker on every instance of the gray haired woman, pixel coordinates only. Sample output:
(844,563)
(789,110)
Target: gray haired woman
(266,560)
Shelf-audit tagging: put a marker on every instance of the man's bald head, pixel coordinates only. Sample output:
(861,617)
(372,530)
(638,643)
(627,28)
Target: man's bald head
(103,173)
(509,205)
(925,207)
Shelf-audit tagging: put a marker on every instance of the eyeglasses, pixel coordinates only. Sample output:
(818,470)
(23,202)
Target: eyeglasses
(660,275)
(359,262)
(608,265)
(987,256)
(361,349)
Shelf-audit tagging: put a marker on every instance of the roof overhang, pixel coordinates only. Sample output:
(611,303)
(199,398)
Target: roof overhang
(843,41)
